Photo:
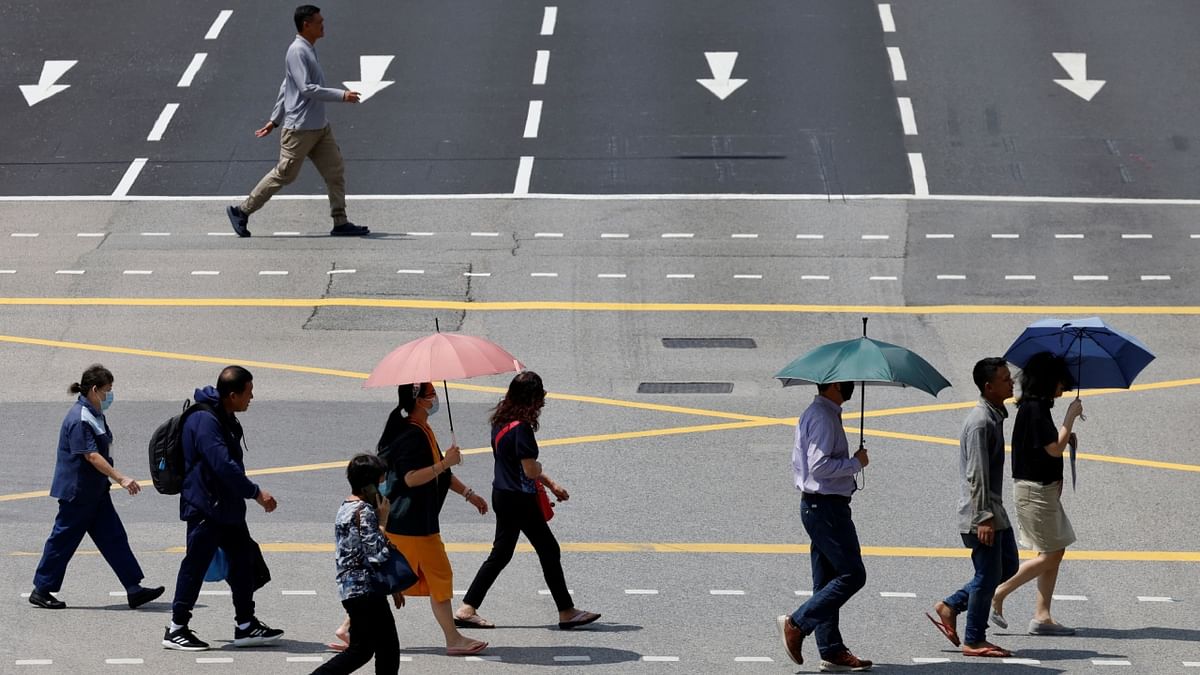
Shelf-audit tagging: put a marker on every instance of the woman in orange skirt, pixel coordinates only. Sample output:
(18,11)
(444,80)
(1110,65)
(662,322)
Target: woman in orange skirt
(418,480)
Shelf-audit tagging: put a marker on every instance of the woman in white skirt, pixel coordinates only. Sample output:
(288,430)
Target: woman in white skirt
(1037,470)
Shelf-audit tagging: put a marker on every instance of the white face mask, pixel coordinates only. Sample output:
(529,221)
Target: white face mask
(435,406)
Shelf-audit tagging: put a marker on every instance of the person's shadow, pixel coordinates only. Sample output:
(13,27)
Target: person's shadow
(546,656)
(980,666)
(1144,633)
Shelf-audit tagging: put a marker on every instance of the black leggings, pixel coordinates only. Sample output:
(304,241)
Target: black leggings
(372,631)
(518,512)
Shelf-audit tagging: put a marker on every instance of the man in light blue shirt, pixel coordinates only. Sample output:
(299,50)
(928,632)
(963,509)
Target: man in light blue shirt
(824,470)
(300,110)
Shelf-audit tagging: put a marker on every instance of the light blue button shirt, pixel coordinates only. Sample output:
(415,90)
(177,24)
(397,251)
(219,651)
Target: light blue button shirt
(302,95)
(821,460)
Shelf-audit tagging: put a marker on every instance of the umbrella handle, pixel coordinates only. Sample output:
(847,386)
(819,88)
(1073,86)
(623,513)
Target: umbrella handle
(1082,417)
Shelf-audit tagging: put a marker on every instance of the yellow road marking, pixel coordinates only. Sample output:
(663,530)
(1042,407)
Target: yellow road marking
(729,549)
(538,305)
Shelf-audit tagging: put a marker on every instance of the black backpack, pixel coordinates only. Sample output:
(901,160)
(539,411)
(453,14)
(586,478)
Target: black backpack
(166,450)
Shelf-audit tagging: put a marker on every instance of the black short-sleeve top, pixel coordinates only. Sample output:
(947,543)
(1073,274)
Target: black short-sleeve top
(1033,430)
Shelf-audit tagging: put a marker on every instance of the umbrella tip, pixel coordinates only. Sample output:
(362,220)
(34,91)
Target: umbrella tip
(864,326)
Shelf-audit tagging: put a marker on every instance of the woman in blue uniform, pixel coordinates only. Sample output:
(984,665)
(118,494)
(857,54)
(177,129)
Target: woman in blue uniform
(82,473)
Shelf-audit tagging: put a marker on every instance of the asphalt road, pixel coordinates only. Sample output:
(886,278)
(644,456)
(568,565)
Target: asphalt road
(845,98)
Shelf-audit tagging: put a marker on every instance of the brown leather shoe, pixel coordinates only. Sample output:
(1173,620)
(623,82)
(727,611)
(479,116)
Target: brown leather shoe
(845,662)
(792,638)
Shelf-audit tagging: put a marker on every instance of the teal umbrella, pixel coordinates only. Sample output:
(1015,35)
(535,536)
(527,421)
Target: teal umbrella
(865,361)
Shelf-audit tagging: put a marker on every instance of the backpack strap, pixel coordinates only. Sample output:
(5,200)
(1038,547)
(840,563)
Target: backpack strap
(500,434)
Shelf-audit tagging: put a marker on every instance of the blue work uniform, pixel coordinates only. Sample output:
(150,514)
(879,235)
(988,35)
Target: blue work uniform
(84,503)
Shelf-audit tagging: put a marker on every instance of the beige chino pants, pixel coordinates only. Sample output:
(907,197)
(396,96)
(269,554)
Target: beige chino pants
(319,146)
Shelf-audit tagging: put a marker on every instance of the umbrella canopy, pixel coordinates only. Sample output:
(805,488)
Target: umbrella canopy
(864,360)
(442,356)
(1101,356)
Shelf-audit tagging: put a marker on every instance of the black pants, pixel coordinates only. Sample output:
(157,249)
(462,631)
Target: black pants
(203,539)
(372,632)
(518,512)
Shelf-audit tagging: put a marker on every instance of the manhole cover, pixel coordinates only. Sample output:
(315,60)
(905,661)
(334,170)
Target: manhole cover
(685,387)
(709,343)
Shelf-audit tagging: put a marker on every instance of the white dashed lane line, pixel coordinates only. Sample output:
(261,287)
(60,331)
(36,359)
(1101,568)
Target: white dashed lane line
(189,73)
(342,272)
(1021,662)
(1137,236)
(661,659)
(164,119)
(939,236)
(541,66)
(214,659)
(804,593)
(138,272)
(640,591)
(928,659)
(533,119)
(737,235)
(549,18)
(1156,277)
(1090,277)
(614,235)
(543,274)
(90,234)
(410,271)
(908,119)
(899,74)
(477,274)
(875,237)
(298,592)
(883,279)
(158,234)
(678,235)
(285,234)
(1068,236)
(814,277)
(747,276)
(1111,662)
(547,235)
(610,276)
(8,271)
(305,659)
(131,174)
(886,19)
(810,236)
(753,659)
(125,662)
(221,234)
(1002,235)
(419,234)
(205,273)
(215,29)
(34,662)
(1020,277)
(272,273)
(896,594)
(215,592)
(719,591)
(1070,598)
(681,276)
(70,272)
(25,235)
(1154,598)
(951,277)
(916,164)
(485,234)
(524,174)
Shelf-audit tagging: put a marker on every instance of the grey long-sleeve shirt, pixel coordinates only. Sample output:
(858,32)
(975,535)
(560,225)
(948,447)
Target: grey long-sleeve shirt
(981,468)
(302,95)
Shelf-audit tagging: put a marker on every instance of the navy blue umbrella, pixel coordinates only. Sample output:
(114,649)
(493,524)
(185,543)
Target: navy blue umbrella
(1101,356)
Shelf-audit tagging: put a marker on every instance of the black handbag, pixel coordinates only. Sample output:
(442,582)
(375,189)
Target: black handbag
(394,574)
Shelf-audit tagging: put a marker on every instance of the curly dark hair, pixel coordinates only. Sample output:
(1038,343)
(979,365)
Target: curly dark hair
(523,402)
(1042,374)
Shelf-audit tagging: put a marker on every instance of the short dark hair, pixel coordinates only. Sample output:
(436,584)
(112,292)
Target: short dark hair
(95,376)
(1043,373)
(303,14)
(233,380)
(986,369)
(364,470)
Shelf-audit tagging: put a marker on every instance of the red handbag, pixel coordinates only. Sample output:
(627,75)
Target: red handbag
(543,495)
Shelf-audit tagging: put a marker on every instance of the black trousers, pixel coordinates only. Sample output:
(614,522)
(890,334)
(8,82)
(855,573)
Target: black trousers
(203,539)
(372,632)
(516,513)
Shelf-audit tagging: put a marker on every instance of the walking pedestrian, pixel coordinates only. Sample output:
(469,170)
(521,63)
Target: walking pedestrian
(982,521)
(83,469)
(213,503)
(300,110)
(420,476)
(824,471)
(360,542)
(515,497)
(1037,471)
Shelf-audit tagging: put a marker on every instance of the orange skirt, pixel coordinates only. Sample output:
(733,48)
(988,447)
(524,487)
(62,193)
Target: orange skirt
(427,557)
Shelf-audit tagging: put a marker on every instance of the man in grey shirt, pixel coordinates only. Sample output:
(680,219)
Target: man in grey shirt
(300,110)
(982,521)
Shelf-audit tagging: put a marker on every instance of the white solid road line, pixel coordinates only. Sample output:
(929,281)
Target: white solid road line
(215,29)
(886,18)
(898,72)
(916,163)
(190,72)
(549,17)
(908,119)
(160,125)
(540,66)
(130,176)
(524,173)
(534,119)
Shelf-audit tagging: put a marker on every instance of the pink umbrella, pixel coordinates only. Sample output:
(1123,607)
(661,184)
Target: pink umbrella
(442,356)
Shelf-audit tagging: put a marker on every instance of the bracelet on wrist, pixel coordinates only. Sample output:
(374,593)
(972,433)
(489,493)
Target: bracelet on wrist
(468,493)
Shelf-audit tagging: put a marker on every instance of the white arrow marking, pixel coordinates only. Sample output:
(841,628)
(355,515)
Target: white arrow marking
(1075,63)
(46,87)
(372,82)
(721,65)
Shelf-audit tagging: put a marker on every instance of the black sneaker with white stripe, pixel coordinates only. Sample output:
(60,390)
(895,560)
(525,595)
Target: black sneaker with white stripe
(183,639)
(257,633)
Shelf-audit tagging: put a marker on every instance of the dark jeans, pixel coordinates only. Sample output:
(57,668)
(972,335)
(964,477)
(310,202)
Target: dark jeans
(993,565)
(100,521)
(518,512)
(203,539)
(837,569)
(372,632)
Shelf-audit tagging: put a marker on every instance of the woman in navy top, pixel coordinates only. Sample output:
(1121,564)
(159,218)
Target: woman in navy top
(83,473)
(515,501)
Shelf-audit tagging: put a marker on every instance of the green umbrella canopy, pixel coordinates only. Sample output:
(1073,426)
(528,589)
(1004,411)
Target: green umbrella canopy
(864,360)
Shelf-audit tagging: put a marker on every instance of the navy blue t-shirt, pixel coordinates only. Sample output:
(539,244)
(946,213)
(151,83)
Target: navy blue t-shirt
(516,445)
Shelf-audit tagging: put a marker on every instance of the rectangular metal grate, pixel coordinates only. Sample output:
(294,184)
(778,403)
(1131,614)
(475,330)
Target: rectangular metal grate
(709,343)
(685,388)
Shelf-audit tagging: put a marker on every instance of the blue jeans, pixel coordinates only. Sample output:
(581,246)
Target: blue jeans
(837,569)
(993,565)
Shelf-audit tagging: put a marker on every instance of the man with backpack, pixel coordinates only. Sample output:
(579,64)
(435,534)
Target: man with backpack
(213,503)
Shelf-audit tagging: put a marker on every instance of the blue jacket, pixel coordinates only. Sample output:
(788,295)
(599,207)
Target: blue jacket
(84,430)
(215,485)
